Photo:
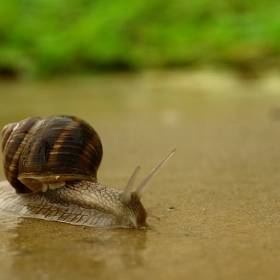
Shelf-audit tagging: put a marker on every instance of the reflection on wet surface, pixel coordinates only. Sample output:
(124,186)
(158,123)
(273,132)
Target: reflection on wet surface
(32,246)
(222,185)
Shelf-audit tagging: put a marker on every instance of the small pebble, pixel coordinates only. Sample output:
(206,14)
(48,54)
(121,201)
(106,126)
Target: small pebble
(142,227)
(171,208)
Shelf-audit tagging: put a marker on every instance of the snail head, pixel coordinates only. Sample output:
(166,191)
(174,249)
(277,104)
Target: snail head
(131,198)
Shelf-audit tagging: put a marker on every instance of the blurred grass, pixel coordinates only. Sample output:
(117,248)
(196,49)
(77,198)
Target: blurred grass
(45,38)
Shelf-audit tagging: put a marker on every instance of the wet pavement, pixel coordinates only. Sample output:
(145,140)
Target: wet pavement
(218,197)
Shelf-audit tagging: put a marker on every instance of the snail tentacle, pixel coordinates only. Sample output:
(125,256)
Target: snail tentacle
(126,196)
(141,188)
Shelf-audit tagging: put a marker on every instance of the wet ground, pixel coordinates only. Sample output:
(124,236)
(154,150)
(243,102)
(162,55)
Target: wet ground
(223,182)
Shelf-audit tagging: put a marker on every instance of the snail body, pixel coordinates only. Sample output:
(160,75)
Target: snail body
(79,203)
(51,169)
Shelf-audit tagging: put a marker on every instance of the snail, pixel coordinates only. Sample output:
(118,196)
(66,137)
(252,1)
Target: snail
(51,169)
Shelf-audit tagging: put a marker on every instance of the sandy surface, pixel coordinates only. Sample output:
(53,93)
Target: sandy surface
(224,180)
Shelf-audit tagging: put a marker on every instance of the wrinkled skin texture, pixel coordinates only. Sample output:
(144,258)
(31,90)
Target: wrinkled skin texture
(80,203)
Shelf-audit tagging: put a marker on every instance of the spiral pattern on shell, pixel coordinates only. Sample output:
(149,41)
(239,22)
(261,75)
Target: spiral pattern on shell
(48,152)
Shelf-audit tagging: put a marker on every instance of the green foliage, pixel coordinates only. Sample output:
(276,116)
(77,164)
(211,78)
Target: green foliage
(48,37)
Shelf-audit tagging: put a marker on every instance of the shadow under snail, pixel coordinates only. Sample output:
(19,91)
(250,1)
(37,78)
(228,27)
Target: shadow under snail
(52,165)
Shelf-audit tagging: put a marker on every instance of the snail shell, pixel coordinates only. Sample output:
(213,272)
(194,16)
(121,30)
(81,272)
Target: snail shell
(40,154)
(52,165)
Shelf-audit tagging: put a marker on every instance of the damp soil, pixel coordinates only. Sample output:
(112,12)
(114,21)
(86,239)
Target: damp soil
(218,197)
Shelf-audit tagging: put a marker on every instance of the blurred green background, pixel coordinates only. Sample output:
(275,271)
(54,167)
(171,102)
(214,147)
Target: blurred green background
(46,38)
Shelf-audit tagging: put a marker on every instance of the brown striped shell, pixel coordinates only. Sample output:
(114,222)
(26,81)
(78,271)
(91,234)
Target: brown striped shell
(45,153)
